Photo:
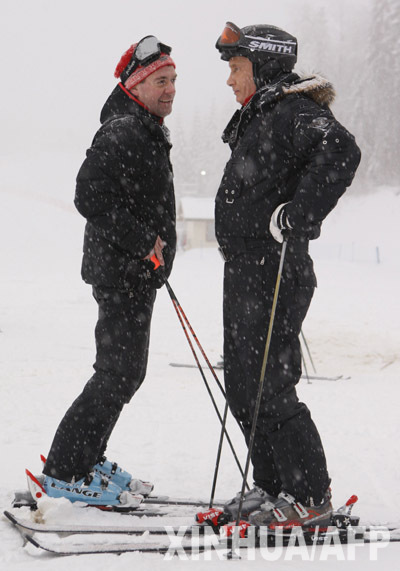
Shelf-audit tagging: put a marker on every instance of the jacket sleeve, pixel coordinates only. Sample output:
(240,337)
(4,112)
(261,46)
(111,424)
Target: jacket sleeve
(330,157)
(100,195)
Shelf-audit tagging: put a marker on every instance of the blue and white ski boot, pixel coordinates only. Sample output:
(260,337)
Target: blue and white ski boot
(94,489)
(122,478)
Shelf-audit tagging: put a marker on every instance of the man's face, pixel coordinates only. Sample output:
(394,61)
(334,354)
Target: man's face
(241,78)
(157,91)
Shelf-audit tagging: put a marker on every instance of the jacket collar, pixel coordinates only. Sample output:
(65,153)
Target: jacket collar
(265,95)
(314,86)
(119,104)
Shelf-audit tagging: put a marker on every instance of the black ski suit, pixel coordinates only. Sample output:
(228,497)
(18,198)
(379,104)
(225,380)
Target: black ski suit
(286,148)
(125,191)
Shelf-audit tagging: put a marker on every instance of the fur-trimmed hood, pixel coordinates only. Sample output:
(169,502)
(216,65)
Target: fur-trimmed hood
(315,86)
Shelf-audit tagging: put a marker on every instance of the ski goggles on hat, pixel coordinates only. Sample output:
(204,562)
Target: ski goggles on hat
(148,50)
(230,36)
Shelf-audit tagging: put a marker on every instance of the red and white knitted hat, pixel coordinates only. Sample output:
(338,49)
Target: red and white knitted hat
(131,71)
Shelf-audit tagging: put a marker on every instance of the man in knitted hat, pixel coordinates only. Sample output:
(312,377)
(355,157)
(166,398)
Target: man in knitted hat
(291,162)
(125,191)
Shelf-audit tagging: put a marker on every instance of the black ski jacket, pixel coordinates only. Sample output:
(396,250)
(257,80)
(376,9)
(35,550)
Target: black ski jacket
(287,147)
(125,191)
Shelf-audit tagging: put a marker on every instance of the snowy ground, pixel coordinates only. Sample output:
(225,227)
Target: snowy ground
(168,434)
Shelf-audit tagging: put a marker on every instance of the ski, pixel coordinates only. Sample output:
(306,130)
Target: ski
(309,377)
(90,549)
(183,530)
(180,544)
(322,378)
(218,366)
(24,499)
(72,529)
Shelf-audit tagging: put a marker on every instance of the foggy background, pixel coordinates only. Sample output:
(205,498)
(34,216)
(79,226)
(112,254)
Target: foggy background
(57,64)
(58,59)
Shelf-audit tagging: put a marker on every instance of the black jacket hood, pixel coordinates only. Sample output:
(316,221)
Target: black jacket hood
(118,103)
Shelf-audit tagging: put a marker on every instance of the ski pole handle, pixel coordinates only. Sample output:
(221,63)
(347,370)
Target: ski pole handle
(155,261)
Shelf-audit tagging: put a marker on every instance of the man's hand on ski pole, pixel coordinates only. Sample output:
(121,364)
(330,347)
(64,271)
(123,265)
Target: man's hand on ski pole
(156,253)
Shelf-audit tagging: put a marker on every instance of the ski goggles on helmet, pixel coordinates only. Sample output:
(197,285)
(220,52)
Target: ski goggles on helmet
(148,50)
(230,37)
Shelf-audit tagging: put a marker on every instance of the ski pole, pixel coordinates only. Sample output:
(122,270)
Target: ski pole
(223,423)
(218,459)
(180,313)
(305,367)
(178,305)
(308,351)
(233,552)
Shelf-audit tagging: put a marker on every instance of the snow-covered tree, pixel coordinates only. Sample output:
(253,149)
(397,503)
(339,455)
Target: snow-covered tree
(380,98)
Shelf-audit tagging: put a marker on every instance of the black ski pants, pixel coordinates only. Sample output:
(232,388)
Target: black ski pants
(122,342)
(288,453)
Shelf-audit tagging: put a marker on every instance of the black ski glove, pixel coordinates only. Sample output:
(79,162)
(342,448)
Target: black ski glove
(154,278)
(140,274)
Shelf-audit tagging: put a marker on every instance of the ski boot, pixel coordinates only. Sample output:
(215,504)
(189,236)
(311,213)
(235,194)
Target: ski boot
(285,513)
(94,490)
(122,478)
(252,500)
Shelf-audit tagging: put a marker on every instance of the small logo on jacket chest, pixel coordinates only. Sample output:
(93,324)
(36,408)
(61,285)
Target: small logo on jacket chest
(229,196)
